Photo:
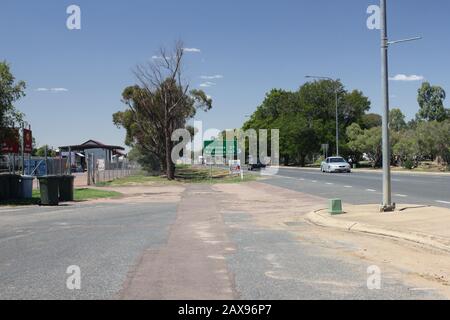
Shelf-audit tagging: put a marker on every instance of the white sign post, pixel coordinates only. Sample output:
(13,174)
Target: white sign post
(236,168)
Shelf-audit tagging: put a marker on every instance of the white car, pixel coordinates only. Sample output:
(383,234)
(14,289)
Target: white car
(335,164)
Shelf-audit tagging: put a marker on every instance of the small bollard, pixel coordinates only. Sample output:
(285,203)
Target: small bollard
(336,206)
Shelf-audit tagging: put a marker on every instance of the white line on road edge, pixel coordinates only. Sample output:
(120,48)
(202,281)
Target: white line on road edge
(330,184)
(314,181)
(401,195)
(348,187)
(371,190)
(422,289)
(444,202)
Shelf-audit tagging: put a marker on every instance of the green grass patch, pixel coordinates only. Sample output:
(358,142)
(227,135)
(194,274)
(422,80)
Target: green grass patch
(183,174)
(190,174)
(90,194)
(79,195)
(137,180)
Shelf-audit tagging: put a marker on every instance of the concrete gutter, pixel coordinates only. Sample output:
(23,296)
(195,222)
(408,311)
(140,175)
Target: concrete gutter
(323,219)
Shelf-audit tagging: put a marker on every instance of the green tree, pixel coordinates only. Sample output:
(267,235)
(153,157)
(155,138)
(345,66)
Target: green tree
(307,118)
(298,140)
(397,120)
(10,92)
(426,135)
(40,152)
(367,141)
(371,120)
(406,150)
(431,102)
(353,107)
(433,139)
(161,104)
(443,142)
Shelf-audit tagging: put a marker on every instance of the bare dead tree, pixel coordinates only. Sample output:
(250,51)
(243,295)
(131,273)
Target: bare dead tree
(162,102)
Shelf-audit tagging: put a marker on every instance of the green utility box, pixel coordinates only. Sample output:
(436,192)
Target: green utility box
(49,186)
(66,188)
(336,206)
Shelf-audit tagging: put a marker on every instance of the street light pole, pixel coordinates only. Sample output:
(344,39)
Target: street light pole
(337,123)
(387,189)
(387,206)
(337,109)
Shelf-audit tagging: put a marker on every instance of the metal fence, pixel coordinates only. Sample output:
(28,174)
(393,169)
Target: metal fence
(96,173)
(33,166)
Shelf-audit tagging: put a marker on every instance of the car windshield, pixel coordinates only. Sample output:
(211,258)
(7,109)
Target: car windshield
(337,160)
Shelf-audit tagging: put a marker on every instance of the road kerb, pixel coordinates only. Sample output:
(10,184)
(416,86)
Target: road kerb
(321,218)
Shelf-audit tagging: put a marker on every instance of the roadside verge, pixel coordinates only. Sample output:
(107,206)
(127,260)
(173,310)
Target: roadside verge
(323,219)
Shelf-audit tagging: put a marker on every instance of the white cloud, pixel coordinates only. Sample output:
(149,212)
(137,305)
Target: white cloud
(193,50)
(207,84)
(160,58)
(217,76)
(404,77)
(51,89)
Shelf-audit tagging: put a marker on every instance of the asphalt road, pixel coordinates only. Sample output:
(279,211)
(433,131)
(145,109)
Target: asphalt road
(38,244)
(187,242)
(363,188)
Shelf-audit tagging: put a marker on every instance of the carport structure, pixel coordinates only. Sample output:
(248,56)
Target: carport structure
(95,149)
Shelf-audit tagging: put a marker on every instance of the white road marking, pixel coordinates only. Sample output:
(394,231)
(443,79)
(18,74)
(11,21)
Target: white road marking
(314,181)
(330,184)
(444,202)
(371,190)
(422,289)
(348,187)
(401,195)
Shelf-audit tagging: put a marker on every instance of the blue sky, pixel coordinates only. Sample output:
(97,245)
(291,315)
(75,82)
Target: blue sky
(254,45)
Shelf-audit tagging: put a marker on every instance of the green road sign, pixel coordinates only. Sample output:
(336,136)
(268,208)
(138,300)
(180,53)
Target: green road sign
(220,148)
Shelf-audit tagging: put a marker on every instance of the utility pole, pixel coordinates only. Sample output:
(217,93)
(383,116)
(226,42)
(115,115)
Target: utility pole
(337,122)
(336,92)
(387,205)
(387,189)
(22,147)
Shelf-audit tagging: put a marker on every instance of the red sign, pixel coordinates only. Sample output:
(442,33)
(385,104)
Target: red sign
(27,141)
(10,144)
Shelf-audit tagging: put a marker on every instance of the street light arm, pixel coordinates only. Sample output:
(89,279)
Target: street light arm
(318,77)
(405,40)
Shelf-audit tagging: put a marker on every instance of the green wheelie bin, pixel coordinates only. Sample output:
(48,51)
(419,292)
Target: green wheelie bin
(15,188)
(49,186)
(66,188)
(4,187)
